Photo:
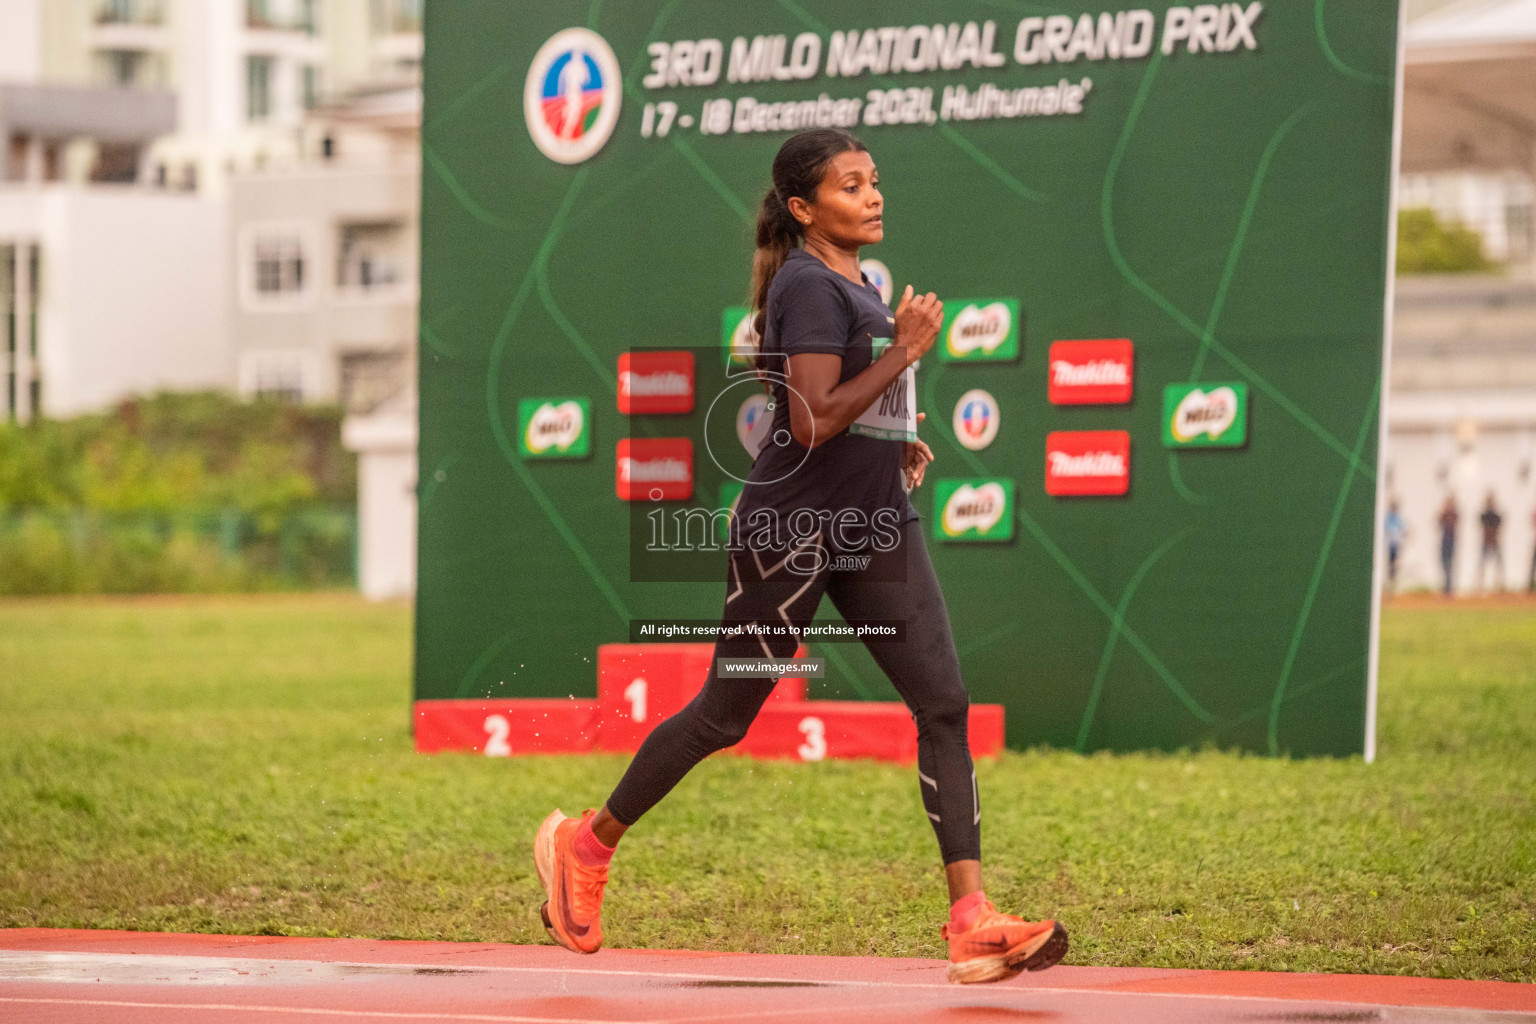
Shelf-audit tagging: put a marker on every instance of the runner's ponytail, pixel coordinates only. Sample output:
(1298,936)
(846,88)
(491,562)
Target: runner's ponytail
(798,168)
(777,233)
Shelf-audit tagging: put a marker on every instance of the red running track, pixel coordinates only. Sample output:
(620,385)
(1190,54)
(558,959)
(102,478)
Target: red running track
(49,975)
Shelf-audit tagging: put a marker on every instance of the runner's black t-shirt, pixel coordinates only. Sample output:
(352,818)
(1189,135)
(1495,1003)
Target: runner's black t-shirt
(812,308)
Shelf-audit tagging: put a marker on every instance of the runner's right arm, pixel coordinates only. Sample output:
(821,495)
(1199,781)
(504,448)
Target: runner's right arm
(820,408)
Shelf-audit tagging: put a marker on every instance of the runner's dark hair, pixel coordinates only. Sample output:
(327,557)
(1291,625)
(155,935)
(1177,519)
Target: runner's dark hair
(798,169)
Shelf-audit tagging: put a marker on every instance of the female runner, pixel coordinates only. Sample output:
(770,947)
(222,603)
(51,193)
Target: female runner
(840,450)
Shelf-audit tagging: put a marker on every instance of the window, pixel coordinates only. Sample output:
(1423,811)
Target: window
(370,255)
(275,260)
(370,378)
(283,381)
(34,294)
(294,15)
(121,67)
(279,265)
(275,374)
(391,16)
(408,18)
(129,12)
(130,69)
(117,11)
(116,162)
(258,88)
(20,294)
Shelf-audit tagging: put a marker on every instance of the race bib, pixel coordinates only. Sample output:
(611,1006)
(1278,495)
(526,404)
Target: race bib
(892,416)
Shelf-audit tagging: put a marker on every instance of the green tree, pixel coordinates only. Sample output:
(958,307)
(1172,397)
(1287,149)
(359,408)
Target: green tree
(177,492)
(1426,245)
(200,452)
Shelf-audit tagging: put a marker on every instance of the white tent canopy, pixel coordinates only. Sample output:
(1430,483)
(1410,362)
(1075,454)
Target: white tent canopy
(1470,88)
(1489,24)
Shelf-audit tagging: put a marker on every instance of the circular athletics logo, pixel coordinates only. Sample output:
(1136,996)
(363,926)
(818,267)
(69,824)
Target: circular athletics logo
(976,419)
(880,276)
(571,97)
(753,420)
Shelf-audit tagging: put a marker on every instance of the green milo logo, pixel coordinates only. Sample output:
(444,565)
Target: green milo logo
(977,330)
(738,337)
(554,428)
(973,510)
(1205,415)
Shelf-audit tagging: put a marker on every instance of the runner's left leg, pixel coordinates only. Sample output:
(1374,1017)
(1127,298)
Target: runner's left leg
(984,944)
(925,670)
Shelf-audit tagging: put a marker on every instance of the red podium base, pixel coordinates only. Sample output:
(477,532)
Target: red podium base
(639,685)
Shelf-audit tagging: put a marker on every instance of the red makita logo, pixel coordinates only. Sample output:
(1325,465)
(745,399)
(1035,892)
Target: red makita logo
(1091,372)
(654,469)
(655,382)
(1087,462)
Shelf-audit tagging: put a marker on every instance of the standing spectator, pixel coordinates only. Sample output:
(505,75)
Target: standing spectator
(1397,532)
(1531,584)
(1449,517)
(1492,523)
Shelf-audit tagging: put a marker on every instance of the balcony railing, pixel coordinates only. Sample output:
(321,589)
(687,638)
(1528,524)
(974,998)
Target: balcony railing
(130,12)
(259,14)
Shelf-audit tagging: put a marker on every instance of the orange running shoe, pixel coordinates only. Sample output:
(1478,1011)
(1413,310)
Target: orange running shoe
(572,912)
(999,946)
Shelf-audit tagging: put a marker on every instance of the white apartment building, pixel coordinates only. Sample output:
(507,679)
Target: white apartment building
(244,73)
(323,260)
(87,317)
(206,193)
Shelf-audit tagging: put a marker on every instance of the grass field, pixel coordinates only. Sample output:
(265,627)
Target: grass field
(243,765)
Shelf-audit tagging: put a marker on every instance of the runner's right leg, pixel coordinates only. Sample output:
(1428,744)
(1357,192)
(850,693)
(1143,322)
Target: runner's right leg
(761,587)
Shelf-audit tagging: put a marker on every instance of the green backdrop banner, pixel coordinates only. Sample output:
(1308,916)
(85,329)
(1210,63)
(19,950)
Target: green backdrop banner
(1156,432)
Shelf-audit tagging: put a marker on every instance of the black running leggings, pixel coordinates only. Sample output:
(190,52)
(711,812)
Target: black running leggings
(923,667)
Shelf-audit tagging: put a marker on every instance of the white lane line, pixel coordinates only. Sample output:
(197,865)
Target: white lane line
(942,986)
(863,1008)
(403,1015)
(1521,1015)
(316,1012)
